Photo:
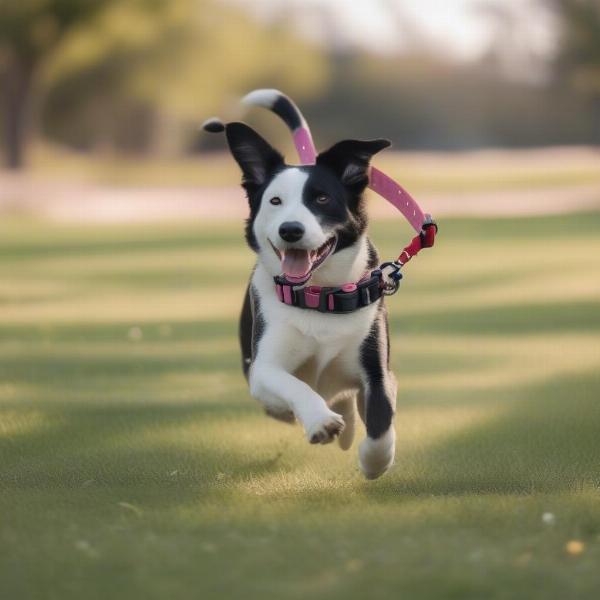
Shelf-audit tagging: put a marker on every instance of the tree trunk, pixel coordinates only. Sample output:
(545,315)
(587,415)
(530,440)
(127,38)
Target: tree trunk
(595,108)
(17,88)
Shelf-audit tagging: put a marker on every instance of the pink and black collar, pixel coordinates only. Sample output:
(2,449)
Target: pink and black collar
(342,299)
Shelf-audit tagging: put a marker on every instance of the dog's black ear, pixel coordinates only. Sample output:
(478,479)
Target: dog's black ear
(256,157)
(349,160)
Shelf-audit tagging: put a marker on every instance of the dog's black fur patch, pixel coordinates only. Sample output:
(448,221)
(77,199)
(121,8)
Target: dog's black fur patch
(245,333)
(259,163)
(374,358)
(252,327)
(341,173)
(344,211)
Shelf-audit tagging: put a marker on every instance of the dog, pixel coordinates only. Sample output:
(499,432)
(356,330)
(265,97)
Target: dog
(313,329)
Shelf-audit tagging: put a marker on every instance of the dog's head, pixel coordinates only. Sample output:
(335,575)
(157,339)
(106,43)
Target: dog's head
(300,216)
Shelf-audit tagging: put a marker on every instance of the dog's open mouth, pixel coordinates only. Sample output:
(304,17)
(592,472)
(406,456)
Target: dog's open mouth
(297,264)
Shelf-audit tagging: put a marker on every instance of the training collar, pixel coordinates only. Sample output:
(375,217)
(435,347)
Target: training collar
(342,299)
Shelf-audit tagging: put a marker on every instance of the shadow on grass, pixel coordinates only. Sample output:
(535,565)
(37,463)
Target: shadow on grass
(522,318)
(137,448)
(63,370)
(157,239)
(546,440)
(200,330)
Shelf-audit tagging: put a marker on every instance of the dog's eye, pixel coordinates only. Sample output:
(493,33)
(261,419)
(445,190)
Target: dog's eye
(275,201)
(322,199)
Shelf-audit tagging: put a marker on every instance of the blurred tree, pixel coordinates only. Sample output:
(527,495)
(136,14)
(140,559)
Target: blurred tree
(578,59)
(136,74)
(423,98)
(423,101)
(139,80)
(30,30)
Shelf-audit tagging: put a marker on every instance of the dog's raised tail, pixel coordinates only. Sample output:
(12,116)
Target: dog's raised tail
(280,104)
(285,108)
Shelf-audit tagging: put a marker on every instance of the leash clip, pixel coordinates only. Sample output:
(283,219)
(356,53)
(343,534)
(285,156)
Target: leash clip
(390,277)
(428,232)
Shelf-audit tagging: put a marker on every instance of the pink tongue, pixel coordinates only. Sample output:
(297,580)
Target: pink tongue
(295,263)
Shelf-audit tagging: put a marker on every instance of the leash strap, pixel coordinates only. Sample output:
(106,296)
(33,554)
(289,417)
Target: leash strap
(425,239)
(380,183)
(305,146)
(398,197)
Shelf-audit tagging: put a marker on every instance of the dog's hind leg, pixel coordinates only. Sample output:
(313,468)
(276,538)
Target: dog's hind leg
(345,405)
(377,402)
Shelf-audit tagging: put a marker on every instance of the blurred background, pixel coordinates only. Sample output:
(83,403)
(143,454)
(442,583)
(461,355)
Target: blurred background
(134,464)
(100,93)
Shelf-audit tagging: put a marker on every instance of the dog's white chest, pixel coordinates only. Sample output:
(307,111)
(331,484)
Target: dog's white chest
(328,342)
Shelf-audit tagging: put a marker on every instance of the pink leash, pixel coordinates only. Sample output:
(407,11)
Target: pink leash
(387,188)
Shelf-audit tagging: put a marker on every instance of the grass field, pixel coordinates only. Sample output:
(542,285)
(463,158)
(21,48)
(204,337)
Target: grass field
(133,463)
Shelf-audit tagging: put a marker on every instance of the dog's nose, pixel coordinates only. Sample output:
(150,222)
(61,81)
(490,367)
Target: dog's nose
(291,231)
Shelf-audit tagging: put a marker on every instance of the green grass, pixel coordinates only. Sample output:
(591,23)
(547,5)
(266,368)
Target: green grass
(133,463)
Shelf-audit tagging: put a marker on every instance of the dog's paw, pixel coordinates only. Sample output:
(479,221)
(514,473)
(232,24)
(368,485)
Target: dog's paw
(375,457)
(326,429)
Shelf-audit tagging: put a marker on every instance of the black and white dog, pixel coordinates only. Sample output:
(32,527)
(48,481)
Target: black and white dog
(314,361)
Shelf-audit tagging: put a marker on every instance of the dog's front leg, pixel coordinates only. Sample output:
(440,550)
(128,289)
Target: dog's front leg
(279,390)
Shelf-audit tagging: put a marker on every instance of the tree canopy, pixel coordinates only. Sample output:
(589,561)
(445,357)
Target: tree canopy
(100,67)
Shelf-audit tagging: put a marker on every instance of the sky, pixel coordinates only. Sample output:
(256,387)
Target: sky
(462,28)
